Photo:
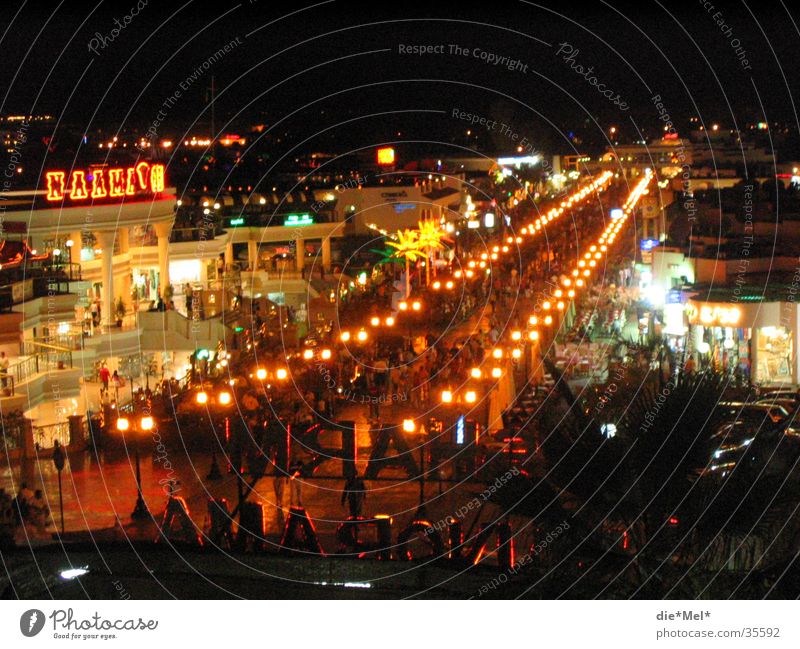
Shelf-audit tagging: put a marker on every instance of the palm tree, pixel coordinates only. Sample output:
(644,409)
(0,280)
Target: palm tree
(407,247)
(430,238)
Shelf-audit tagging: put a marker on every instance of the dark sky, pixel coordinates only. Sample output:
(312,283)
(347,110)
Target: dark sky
(315,66)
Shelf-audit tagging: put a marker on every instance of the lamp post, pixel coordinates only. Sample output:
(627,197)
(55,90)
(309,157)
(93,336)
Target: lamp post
(58,461)
(140,510)
(409,426)
(201,398)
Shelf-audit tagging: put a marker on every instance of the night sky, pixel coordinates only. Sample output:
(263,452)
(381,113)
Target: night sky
(332,75)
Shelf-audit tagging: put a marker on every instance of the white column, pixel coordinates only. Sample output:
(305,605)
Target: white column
(77,244)
(162,232)
(228,255)
(252,254)
(326,253)
(106,241)
(300,253)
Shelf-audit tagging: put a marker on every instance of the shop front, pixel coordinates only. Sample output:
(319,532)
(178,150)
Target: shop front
(753,340)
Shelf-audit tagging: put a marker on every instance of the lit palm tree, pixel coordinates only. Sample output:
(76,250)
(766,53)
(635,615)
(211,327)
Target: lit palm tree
(430,238)
(407,247)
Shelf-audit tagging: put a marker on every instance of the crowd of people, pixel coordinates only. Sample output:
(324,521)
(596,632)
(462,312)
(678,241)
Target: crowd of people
(27,512)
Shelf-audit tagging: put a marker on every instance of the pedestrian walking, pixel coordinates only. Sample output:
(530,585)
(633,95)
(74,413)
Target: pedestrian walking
(355,493)
(104,376)
(296,480)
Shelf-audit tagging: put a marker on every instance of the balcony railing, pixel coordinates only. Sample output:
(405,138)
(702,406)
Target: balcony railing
(43,360)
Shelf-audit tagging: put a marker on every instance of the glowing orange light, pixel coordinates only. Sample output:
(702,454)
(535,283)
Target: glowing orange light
(385,155)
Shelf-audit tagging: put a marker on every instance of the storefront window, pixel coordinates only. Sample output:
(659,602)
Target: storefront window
(145,284)
(774,355)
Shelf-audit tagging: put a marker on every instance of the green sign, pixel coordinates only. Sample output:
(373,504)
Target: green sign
(298,219)
(237,222)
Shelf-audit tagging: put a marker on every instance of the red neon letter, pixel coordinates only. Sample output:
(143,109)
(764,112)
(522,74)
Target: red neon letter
(141,172)
(77,189)
(130,183)
(157,179)
(99,184)
(55,185)
(116,183)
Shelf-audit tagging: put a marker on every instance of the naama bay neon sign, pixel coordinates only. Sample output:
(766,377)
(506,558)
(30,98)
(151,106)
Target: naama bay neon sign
(100,183)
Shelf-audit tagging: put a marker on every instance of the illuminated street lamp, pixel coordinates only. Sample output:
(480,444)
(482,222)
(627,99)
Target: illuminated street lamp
(476,372)
(344,336)
(516,335)
(201,398)
(389,322)
(140,510)
(447,396)
(497,372)
(224,398)
(325,354)
(281,374)
(361,336)
(403,306)
(497,353)
(416,305)
(470,396)
(261,374)
(375,321)
(409,426)
(308,354)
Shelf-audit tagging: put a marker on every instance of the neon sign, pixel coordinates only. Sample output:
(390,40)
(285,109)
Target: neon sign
(298,219)
(715,316)
(385,155)
(99,183)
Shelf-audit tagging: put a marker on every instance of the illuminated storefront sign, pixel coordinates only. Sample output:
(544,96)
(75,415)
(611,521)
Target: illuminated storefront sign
(101,183)
(385,155)
(715,316)
(298,219)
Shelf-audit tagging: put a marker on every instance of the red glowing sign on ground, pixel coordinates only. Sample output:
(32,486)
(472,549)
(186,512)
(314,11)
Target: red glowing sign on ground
(117,182)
